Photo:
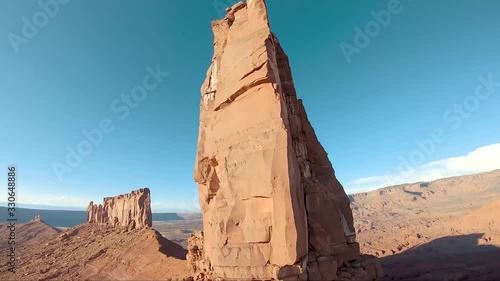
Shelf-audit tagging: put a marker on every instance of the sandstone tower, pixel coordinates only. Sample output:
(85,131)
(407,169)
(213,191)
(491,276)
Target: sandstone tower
(131,210)
(272,206)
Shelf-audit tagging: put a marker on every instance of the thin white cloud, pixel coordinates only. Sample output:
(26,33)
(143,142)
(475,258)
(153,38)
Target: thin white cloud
(483,159)
(56,201)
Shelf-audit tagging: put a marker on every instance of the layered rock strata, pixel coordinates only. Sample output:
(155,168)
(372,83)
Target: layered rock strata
(272,206)
(131,210)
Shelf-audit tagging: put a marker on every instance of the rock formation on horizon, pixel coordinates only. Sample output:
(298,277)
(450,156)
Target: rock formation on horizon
(131,210)
(36,219)
(272,206)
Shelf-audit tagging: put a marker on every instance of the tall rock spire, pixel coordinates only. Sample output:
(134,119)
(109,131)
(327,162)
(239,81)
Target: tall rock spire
(272,207)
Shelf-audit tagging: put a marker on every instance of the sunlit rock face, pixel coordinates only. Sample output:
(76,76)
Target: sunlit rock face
(131,210)
(272,206)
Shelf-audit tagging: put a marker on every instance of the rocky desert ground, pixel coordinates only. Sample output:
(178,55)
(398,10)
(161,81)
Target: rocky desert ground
(178,231)
(28,233)
(445,229)
(98,252)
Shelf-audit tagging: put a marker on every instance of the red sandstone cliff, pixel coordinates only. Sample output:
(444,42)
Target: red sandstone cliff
(131,210)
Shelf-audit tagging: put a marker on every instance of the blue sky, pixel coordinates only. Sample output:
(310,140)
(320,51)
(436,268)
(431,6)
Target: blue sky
(369,110)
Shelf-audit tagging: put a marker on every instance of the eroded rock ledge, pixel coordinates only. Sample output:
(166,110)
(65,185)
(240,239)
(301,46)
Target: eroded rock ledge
(272,206)
(131,210)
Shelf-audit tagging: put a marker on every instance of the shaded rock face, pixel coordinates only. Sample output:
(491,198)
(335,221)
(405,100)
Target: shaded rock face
(272,206)
(131,210)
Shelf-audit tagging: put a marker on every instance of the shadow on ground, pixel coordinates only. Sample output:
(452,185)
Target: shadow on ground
(448,258)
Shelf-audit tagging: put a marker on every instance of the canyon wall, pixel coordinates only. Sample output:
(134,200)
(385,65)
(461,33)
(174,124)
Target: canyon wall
(131,210)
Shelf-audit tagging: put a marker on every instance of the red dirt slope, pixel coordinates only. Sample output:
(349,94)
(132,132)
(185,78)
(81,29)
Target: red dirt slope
(99,252)
(27,233)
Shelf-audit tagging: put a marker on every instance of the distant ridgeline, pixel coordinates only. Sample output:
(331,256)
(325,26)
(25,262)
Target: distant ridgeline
(56,218)
(65,218)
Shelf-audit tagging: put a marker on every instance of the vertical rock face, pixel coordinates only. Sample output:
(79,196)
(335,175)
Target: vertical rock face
(272,206)
(131,210)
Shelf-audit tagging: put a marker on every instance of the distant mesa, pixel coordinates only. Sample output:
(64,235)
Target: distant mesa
(131,210)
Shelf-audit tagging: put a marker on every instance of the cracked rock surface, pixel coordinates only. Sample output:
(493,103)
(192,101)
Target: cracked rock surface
(272,206)
(131,210)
